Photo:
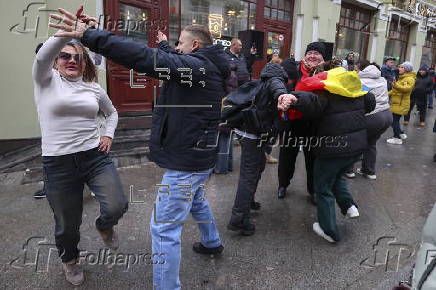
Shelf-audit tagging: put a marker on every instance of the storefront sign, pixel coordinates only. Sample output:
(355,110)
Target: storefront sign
(223,42)
(215,25)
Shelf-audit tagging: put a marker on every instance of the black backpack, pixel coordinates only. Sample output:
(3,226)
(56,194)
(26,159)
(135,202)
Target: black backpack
(243,108)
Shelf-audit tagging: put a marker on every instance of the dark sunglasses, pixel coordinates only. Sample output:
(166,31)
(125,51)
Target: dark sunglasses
(67,56)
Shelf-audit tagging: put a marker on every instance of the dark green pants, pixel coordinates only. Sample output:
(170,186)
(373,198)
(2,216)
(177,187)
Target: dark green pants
(330,185)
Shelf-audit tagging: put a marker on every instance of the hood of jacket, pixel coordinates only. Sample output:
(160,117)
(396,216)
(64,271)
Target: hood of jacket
(370,72)
(273,70)
(408,75)
(216,54)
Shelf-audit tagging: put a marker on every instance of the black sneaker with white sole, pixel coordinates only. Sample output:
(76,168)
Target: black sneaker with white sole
(39,194)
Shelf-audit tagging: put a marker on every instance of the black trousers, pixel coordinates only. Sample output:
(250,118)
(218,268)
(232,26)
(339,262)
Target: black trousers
(252,165)
(287,158)
(421,104)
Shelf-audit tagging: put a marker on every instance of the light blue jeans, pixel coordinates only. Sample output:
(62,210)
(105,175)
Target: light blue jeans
(179,194)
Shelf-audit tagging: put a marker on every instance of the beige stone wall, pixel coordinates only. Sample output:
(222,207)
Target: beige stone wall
(18,117)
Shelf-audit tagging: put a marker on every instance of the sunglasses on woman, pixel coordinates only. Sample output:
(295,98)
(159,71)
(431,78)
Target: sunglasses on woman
(67,56)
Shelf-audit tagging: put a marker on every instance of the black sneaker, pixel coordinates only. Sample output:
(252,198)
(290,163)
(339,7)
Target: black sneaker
(199,248)
(244,227)
(39,194)
(254,205)
(281,193)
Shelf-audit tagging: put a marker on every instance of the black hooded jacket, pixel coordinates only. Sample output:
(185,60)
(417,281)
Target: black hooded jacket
(423,87)
(185,119)
(267,90)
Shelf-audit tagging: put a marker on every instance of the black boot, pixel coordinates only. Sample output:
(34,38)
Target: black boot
(281,193)
(241,224)
(434,158)
(254,205)
(199,248)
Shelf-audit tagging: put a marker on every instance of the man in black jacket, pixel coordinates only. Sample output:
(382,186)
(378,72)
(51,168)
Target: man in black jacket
(243,64)
(341,139)
(183,133)
(423,88)
(253,144)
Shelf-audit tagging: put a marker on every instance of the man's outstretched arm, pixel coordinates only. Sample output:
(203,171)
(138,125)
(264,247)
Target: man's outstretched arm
(128,53)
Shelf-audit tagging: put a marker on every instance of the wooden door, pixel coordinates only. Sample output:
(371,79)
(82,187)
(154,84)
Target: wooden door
(130,92)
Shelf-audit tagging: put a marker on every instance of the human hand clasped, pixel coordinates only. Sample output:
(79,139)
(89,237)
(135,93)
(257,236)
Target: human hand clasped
(285,101)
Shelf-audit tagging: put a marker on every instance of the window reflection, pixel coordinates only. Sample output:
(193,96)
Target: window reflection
(236,15)
(135,21)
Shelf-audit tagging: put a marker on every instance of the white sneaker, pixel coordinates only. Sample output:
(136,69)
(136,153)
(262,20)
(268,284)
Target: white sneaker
(318,230)
(352,212)
(350,174)
(396,141)
(403,136)
(369,176)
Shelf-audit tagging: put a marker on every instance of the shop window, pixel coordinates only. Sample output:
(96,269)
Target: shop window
(174,21)
(275,44)
(134,16)
(397,39)
(353,31)
(278,10)
(429,49)
(228,16)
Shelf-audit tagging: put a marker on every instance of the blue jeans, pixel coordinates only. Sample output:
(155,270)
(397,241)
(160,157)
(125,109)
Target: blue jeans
(64,179)
(179,194)
(224,161)
(396,125)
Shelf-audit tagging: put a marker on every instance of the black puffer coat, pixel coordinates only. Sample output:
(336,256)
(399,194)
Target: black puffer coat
(341,124)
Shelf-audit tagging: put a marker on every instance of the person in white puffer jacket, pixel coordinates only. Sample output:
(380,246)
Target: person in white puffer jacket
(378,121)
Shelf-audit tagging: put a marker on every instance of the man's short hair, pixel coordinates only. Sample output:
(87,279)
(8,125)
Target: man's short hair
(201,33)
(234,40)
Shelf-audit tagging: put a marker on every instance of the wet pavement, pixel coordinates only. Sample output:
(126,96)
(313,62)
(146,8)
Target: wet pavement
(376,250)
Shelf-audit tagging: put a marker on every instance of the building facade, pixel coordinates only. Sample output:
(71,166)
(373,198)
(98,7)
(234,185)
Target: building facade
(371,29)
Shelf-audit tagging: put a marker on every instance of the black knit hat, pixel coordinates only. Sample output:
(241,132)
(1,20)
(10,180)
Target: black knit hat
(317,46)
(291,68)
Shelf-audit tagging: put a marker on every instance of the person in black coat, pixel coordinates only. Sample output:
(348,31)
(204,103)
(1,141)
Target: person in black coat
(253,145)
(243,64)
(183,134)
(423,88)
(341,138)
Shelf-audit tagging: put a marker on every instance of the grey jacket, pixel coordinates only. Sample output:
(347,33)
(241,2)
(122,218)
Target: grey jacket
(371,78)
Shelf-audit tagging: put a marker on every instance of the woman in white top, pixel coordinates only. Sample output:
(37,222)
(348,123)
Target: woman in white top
(68,99)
